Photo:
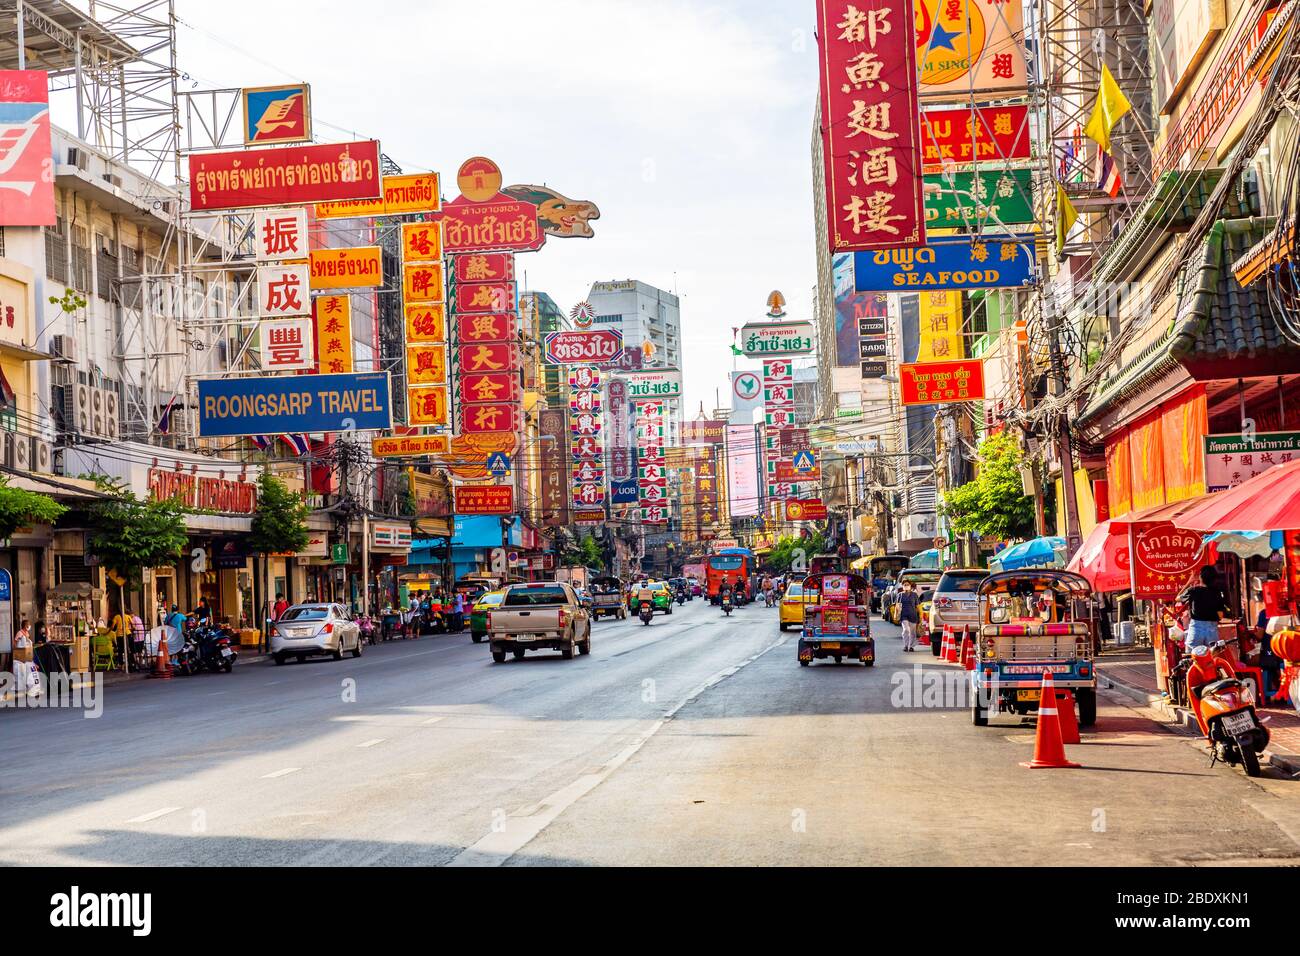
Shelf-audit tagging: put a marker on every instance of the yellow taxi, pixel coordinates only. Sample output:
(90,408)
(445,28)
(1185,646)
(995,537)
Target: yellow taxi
(792,605)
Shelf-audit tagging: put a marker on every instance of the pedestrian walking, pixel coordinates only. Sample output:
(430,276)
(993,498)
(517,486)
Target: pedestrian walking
(458,613)
(908,615)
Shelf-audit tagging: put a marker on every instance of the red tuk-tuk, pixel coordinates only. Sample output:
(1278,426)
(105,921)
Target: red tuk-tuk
(838,624)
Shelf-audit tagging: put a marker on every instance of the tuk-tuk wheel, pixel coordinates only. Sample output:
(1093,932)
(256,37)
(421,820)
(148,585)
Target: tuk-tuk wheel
(979,716)
(839,659)
(476,638)
(1087,699)
(804,663)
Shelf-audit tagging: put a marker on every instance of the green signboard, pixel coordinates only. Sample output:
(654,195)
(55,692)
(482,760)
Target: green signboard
(339,553)
(985,198)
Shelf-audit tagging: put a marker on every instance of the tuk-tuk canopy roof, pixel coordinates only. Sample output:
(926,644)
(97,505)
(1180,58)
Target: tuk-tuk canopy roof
(1036,579)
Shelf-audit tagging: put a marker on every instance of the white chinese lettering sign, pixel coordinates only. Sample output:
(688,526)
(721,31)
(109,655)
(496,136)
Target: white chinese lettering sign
(280,234)
(282,290)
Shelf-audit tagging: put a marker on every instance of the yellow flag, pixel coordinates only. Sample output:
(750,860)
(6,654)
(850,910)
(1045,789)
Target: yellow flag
(1065,217)
(1106,112)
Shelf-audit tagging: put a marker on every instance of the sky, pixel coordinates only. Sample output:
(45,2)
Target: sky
(688,123)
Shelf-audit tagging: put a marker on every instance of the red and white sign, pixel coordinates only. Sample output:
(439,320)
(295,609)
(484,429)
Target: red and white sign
(870,125)
(985,134)
(280,234)
(494,387)
(496,225)
(489,357)
(585,426)
(287,344)
(930,383)
(596,347)
(804,509)
(484,267)
(294,175)
(1165,559)
(489,417)
(485,499)
(26,166)
(283,290)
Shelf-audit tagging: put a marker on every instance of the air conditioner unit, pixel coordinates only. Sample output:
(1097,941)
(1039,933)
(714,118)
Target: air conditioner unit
(22,452)
(97,411)
(81,417)
(78,157)
(64,347)
(9,445)
(112,418)
(42,456)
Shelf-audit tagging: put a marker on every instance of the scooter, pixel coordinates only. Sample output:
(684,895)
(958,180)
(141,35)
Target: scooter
(366,628)
(726,604)
(213,650)
(1224,707)
(646,611)
(681,597)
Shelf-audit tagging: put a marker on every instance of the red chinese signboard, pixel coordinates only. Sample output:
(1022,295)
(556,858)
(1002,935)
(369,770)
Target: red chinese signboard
(804,509)
(555,468)
(484,267)
(488,327)
(497,225)
(496,357)
(294,175)
(1165,558)
(989,133)
(870,125)
(485,296)
(498,386)
(930,383)
(596,347)
(27,186)
(485,499)
(489,417)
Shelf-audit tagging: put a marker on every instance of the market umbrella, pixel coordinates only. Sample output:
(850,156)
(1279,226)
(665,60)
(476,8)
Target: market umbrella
(1268,502)
(926,559)
(1104,557)
(1035,552)
(1248,544)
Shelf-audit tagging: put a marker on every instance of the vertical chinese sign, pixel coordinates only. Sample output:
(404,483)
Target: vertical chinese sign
(652,462)
(620,426)
(555,467)
(870,124)
(423,302)
(586,440)
(333,333)
(283,289)
(706,491)
(778,416)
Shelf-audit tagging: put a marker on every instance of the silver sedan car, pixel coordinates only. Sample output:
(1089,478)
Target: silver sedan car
(307,629)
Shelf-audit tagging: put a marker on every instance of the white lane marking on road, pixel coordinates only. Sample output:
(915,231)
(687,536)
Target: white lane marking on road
(371,743)
(523,826)
(431,720)
(146,817)
(280,773)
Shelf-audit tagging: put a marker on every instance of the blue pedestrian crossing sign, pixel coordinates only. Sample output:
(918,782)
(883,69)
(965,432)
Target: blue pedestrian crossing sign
(498,464)
(804,461)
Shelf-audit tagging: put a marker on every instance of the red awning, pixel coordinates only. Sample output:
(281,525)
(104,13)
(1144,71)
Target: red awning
(1104,557)
(1268,502)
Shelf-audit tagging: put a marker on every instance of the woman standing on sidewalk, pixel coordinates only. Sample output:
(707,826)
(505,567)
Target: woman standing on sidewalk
(908,615)
(1207,604)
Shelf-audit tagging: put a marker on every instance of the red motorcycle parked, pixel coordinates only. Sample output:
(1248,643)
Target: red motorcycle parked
(1224,706)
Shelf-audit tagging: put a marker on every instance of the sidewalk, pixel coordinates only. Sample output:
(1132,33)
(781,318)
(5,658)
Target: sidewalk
(1133,673)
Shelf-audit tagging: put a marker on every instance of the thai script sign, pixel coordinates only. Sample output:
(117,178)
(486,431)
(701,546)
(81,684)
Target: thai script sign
(764,339)
(485,499)
(490,226)
(1164,557)
(409,446)
(926,383)
(361,267)
(1231,459)
(584,348)
(990,198)
(653,383)
(704,432)
(401,196)
(208,494)
(804,509)
(987,133)
(239,179)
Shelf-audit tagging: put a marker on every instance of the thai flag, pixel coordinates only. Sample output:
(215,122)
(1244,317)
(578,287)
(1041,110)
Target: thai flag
(298,443)
(263,442)
(1108,180)
(165,421)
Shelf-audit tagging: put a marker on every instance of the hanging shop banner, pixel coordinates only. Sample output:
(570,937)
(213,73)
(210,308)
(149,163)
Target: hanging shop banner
(596,347)
(766,339)
(1119,482)
(401,196)
(619,426)
(1233,458)
(426,365)
(276,405)
(985,134)
(949,263)
(585,427)
(927,383)
(1164,559)
(497,357)
(286,344)
(485,297)
(425,322)
(742,471)
(485,499)
(422,282)
(871,134)
(805,509)
(489,417)
(333,332)
(276,114)
(873,348)
(495,226)
(410,446)
(243,178)
(280,234)
(653,383)
(27,186)
(704,431)
(485,267)
(358,268)
(969,47)
(421,241)
(488,327)
(283,290)
(939,327)
(623,492)
(426,405)
(554,468)
(992,198)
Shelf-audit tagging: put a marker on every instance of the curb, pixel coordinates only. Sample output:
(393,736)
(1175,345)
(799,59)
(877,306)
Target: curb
(1283,760)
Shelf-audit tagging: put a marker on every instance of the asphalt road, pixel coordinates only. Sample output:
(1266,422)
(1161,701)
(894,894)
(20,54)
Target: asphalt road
(696,740)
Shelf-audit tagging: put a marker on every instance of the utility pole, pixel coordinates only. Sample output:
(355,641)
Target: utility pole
(1059,430)
(365,542)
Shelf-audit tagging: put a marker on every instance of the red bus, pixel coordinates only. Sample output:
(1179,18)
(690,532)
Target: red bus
(729,566)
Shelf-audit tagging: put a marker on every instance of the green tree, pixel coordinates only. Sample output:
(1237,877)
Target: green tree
(994,504)
(128,534)
(583,551)
(280,522)
(19,508)
(787,550)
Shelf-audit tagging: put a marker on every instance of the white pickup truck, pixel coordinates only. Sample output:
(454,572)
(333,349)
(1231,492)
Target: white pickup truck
(544,614)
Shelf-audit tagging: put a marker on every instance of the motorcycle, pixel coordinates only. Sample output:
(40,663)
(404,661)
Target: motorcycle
(681,596)
(726,604)
(212,649)
(646,611)
(1224,707)
(366,627)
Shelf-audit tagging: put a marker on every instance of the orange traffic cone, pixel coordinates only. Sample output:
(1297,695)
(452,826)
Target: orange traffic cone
(967,650)
(1069,723)
(1049,751)
(950,652)
(163,664)
(924,637)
